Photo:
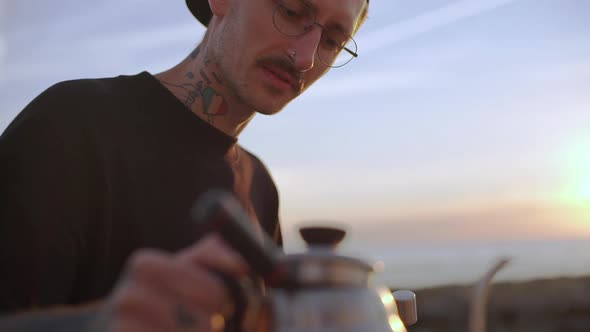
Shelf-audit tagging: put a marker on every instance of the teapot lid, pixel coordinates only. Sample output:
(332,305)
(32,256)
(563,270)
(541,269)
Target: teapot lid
(321,265)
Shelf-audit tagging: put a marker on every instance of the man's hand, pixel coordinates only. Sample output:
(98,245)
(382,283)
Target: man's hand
(180,292)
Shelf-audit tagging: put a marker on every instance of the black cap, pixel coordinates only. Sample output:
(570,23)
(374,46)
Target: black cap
(200,10)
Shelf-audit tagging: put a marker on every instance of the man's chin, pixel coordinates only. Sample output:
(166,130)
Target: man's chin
(271,108)
(269,101)
(267,111)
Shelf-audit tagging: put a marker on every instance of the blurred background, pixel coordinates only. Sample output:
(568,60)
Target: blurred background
(459,135)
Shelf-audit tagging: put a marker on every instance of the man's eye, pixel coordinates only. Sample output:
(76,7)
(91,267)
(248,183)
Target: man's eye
(332,43)
(291,13)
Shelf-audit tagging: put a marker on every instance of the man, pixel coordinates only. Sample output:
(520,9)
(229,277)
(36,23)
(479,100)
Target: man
(95,170)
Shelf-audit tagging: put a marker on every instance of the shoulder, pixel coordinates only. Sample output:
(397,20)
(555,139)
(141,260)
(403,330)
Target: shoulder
(260,170)
(262,185)
(264,195)
(88,91)
(69,102)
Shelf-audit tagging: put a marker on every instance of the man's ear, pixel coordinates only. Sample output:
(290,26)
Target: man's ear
(219,7)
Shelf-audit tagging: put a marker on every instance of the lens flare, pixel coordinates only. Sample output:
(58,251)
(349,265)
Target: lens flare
(396,324)
(578,172)
(393,318)
(584,179)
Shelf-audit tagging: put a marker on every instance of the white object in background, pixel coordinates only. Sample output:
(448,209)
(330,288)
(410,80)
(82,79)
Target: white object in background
(479,299)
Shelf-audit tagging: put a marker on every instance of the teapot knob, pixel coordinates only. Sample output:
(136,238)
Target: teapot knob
(322,236)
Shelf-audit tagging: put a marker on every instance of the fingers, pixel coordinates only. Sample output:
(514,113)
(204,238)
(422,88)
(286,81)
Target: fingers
(211,252)
(168,277)
(163,292)
(133,302)
(136,308)
(133,326)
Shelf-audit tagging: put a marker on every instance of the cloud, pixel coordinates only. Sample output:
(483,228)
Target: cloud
(140,40)
(106,51)
(98,36)
(372,82)
(397,32)
(410,69)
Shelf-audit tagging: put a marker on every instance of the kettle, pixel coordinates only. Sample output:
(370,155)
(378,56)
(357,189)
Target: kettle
(314,291)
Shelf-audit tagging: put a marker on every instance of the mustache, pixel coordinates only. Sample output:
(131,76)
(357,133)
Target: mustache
(285,65)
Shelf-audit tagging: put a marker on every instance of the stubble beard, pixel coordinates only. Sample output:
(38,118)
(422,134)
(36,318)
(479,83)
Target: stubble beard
(248,93)
(240,89)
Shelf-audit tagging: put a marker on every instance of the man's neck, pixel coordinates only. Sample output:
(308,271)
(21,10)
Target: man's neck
(197,84)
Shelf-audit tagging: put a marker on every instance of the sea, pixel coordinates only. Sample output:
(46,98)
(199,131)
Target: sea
(444,265)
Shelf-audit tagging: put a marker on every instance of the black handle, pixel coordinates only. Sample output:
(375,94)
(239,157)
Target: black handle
(237,291)
(219,211)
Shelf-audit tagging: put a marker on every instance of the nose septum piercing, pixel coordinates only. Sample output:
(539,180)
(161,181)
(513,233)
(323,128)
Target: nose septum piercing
(292,55)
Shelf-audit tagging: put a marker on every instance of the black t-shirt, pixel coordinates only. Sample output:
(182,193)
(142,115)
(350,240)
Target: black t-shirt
(94,169)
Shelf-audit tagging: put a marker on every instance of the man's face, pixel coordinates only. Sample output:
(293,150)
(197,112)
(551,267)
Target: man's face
(255,59)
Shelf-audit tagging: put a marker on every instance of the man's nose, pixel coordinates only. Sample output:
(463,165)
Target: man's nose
(306,47)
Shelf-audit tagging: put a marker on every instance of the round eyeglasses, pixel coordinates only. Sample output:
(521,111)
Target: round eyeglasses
(294,18)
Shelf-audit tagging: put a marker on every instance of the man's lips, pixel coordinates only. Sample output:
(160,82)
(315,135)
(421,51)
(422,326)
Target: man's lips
(285,76)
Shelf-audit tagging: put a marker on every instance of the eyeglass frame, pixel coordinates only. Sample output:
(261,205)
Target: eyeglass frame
(308,27)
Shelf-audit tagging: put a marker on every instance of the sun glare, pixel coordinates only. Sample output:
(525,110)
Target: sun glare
(578,162)
(585,190)
(581,183)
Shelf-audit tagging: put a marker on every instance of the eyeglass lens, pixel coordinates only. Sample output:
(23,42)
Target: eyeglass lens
(294,18)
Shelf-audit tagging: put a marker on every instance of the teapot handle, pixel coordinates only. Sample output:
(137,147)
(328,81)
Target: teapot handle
(237,292)
(218,211)
(250,312)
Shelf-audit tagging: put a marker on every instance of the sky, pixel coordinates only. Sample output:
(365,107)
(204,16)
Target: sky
(461,122)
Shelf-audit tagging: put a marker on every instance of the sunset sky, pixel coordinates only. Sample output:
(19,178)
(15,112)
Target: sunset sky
(461,121)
